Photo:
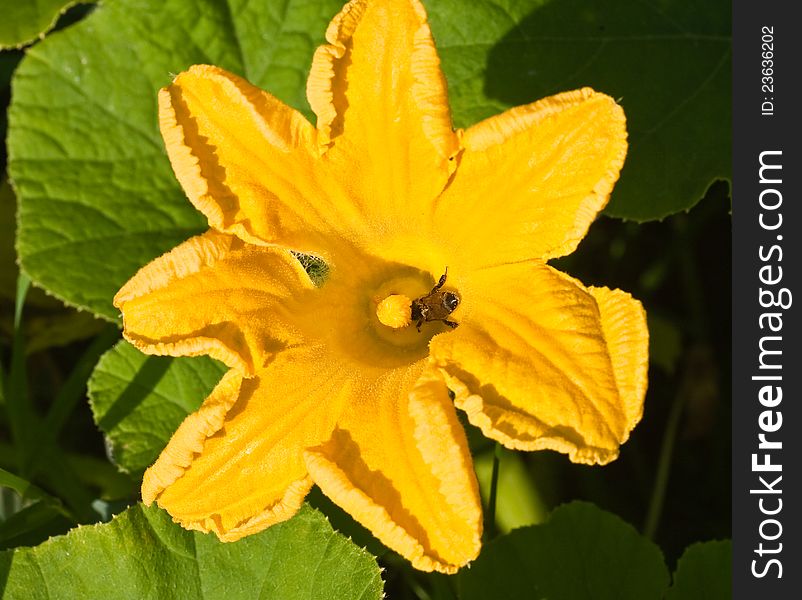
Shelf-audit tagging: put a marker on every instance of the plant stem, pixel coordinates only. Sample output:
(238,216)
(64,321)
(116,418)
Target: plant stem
(23,284)
(664,466)
(491,505)
(16,392)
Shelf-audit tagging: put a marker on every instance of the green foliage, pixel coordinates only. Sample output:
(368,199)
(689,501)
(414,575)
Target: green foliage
(8,257)
(581,552)
(8,62)
(25,21)
(668,63)
(138,400)
(98,198)
(704,572)
(32,523)
(585,553)
(141,554)
(315,267)
(47,322)
(28,511)
(23,487)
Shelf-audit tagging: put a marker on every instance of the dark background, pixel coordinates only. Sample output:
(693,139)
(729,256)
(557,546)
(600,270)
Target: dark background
(753,133)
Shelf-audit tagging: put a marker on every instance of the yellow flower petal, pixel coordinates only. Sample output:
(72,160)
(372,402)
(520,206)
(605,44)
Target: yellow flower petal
(540,362)
(532,179)
(627,337)
(336,384)
(236,466)
(189,437)
(246,160)
(380,96)
(399,463)
(215,295)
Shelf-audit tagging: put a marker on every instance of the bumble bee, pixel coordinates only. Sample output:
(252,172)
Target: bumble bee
(436,305)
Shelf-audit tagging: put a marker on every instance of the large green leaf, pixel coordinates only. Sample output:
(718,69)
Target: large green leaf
(581,552)
(98,199)
(8,267)
(704,572)
(8,62)
(141,554)
(138,401)
(48,322)
(668,61)
(24,21)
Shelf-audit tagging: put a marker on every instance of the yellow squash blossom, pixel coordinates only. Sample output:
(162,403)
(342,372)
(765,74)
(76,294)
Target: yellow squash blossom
(346,385)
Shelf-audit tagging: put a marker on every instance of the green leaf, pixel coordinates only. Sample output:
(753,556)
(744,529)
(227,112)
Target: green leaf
(345,524)
(25,21)
(8,62)
(50,323)
(98,199)
(704,572)
(30,515)
(23,487)
(139,401)
(142,554)
(8,257)
(33,524)
(581,552)
(668,61)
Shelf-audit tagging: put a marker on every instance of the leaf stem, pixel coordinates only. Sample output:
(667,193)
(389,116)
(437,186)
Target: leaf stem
(16,392)
(664,466)
(491,504)
(23,284)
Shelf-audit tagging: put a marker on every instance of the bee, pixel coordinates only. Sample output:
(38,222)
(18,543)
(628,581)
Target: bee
(436,305)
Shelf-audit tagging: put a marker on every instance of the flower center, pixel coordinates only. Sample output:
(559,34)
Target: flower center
(395,311)
(387,314)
